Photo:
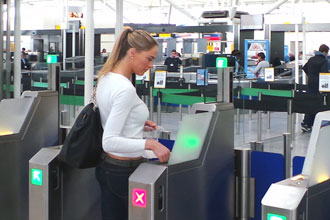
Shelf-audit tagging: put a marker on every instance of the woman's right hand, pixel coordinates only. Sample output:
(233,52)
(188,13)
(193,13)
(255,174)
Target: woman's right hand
(162,152)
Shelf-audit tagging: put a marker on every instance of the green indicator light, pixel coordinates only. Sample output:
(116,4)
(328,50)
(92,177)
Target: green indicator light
(222,62)
(51,59)
(271,216)
(191,142)
(36,177)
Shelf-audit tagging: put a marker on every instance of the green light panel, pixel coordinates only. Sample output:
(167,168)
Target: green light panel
(51,58)
(36,177)
(191,141)
(271,216)
(222,62)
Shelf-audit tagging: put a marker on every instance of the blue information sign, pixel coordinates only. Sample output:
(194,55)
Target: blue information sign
(251,49)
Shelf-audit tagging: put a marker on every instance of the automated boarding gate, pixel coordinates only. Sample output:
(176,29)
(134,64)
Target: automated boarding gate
(305,196)
(225,84)
(59,192)
(26,124)
(198,181)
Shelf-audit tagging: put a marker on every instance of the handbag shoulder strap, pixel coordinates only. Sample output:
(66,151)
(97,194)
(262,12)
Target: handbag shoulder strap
(93,97)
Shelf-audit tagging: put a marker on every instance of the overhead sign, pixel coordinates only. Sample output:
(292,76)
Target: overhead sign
(36,177)
(75,12)
(252,22)
(165,35)
(139,197)
(213,36)
(210,46)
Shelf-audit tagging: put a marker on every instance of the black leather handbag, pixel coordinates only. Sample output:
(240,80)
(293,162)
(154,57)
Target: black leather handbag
(82,147)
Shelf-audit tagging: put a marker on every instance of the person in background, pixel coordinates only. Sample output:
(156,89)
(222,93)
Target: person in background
(314,66)
(173,62)
(259,71)
(104,55)
(277,62)
(23,51)
(24,61)
(237,55)
(124,118)
(292,57)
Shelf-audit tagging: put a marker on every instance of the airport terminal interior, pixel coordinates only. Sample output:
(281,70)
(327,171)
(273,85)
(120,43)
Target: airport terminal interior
(229,90)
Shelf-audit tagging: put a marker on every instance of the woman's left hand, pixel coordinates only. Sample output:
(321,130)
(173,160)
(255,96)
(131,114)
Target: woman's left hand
(149,126)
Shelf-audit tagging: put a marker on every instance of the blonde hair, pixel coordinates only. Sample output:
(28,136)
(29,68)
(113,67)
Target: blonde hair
(129,38)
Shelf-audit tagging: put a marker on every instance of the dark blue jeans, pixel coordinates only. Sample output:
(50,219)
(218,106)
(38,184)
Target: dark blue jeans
(113,182)
(310,117)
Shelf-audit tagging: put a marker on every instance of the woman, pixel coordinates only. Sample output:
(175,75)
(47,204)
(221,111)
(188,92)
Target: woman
(124,117)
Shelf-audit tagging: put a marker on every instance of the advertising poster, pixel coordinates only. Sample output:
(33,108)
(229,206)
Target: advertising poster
(213,41)
(324,82)
(160,79)
(269,74)
(251,50)
(202,77)
(286,50)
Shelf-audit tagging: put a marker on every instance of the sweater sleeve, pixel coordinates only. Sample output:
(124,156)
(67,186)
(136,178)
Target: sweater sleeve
(113,141)
(257,69)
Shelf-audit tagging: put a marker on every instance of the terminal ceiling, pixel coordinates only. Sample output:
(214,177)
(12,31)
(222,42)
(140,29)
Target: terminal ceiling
(194,8)
(185,4)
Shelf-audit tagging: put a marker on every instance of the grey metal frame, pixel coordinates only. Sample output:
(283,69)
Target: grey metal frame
(39,129)
(66,193)
(188,185)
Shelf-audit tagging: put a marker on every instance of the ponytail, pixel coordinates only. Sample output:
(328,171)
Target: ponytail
(129,38)
(117,53)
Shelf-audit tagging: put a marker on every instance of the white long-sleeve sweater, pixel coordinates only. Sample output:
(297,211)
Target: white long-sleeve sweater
(123,115)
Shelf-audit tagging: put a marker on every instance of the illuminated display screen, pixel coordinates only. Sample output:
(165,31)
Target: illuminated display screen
(222,62)
(51,58)
(190,138)
(317,163)
(271,216)
(13,114)
(139,197)
(36,177)
(2,133)
(191,141)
